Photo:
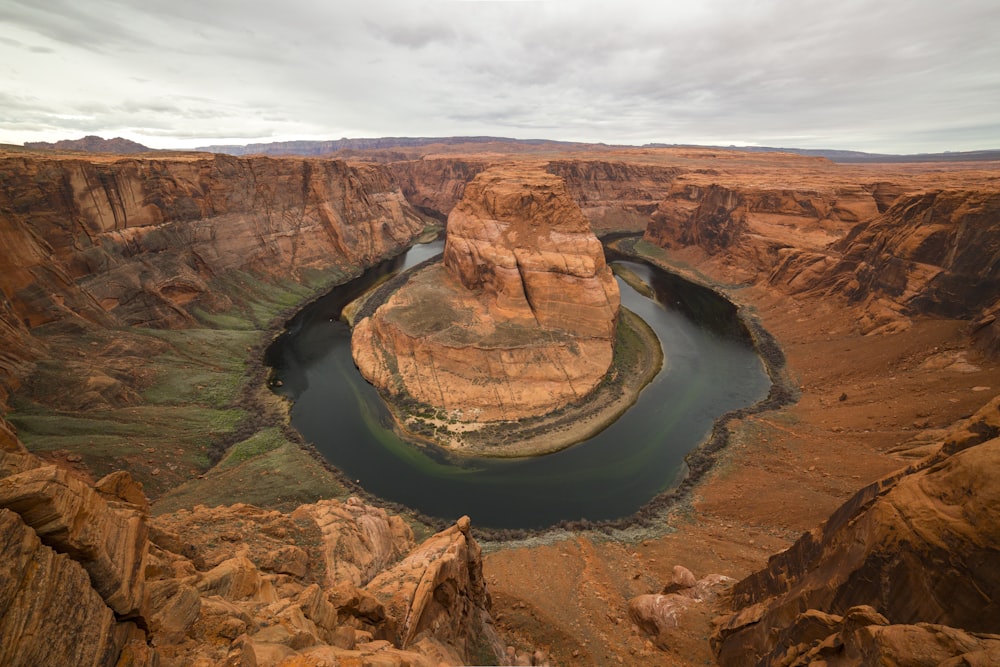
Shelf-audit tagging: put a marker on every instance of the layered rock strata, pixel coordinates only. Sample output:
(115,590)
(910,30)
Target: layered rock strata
(518,321)
(918,547)
(935,253)
(88,578)
(151,241)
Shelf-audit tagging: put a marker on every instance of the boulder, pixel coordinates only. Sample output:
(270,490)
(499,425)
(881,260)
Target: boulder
(69,516)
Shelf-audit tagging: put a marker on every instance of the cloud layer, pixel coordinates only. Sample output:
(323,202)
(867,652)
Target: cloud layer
(859,74)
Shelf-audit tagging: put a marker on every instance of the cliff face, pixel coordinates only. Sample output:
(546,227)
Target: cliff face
(917,547)
(521,319)
(935,253)
(615,196)
(434,186)
(141,241)
(754,226)
(88,578)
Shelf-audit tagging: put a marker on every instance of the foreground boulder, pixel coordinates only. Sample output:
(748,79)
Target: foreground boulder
(519,320)
(88,578)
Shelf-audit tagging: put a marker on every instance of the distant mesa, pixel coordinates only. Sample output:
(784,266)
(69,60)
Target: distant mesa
(91,144)
(519,319)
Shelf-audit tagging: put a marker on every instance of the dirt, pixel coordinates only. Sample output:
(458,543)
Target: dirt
(783,473)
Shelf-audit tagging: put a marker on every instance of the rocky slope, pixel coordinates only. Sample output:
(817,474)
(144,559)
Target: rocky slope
(935,253)
(753,226)
(88,578)
(119,242)
(518,321)
(917,547)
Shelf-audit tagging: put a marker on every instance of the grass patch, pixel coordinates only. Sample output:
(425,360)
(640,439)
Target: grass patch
(203,366)
(160,445)
(283,478)
(259,443)
(163,403)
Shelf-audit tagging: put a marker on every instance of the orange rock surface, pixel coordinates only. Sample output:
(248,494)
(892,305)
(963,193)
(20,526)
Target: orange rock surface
(517,322)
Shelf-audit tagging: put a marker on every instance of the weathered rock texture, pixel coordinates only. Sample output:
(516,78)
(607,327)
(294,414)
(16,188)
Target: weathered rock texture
(935,253)
(755,225)
(614,195)
(150,241)
(657,614)
(520,319)
(920,546)
(87,578)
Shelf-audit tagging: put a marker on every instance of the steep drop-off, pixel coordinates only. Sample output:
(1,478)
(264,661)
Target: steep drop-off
(232,583)
(917,547)
(119,242)
(936,253)
(88,578)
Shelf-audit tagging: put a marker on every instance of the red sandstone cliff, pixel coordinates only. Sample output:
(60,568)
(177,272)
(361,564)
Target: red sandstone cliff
(905,570)
(145,241)
(935,253)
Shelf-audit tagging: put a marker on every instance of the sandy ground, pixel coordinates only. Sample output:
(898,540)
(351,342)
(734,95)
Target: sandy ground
(783,473)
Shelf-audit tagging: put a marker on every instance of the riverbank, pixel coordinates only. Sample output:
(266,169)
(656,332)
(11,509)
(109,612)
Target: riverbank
(866,406)
(637,360)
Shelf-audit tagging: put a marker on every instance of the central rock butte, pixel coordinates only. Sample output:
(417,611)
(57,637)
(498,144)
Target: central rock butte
(518,321)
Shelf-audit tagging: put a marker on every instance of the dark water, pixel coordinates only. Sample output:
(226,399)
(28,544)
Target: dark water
(710,369)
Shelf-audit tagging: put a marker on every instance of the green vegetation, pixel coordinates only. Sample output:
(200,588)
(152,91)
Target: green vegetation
(284,478)
(633,280)
(259,443)
(166,404)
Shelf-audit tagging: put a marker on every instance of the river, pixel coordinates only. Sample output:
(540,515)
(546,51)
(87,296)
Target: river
(711,368)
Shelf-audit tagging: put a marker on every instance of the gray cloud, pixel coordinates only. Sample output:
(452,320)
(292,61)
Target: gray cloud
(859,74)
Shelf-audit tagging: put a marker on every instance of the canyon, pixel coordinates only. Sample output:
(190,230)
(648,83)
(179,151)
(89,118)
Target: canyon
(854,523)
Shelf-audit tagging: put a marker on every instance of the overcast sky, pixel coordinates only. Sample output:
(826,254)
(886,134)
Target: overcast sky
(897,76)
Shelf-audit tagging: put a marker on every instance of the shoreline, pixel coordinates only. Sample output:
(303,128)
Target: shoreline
(572,424)
(648,520)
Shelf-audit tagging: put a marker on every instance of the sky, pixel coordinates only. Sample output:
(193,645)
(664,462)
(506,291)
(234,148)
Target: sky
(892,76)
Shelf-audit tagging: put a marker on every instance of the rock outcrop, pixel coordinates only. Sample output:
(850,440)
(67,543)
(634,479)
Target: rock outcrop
(935,253)
(753,226)
(518,321)
(657,614)
(87,578)
(917,547)
(152,241)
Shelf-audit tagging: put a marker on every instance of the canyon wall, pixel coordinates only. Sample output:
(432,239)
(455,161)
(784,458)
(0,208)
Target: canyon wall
(935,253)
(119,242)
(614,195)
(752,226)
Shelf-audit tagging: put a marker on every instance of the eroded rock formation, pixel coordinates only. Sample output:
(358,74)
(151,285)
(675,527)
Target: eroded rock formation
(518,321)
(917,547)
(88,578)
(151,241)
(934,253)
